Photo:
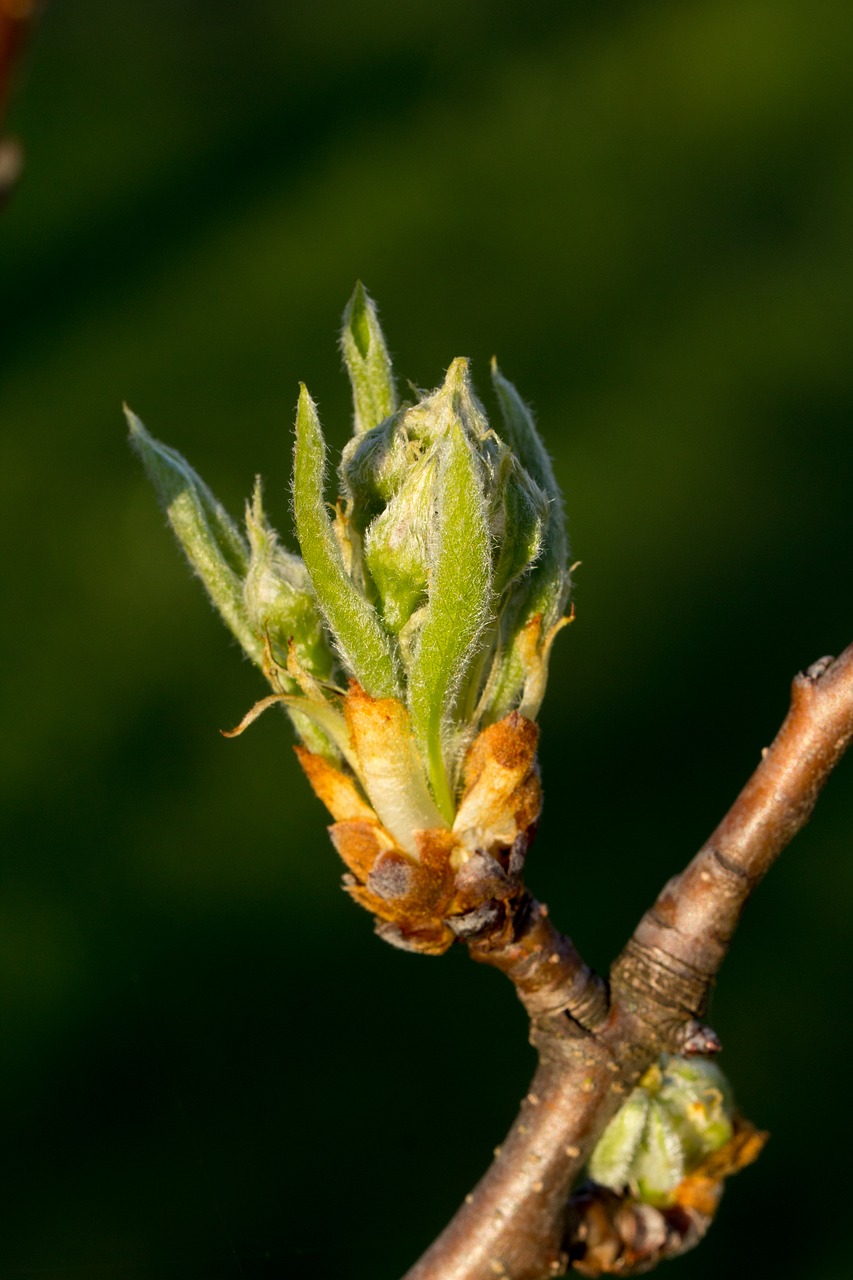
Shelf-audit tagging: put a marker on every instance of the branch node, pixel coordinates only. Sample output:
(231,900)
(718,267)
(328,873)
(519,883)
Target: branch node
(819,668)
(698,1039)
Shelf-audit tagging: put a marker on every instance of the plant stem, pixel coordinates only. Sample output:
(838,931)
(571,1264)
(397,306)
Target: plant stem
(591,1050)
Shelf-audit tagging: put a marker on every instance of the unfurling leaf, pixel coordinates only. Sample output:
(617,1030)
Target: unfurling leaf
(210,538)
(280,601)
(456,611)
(364,644)
(367,361)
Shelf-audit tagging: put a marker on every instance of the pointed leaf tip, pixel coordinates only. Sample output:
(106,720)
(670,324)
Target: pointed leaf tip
(367,361)
(359,320)
(364,644)
(211,540)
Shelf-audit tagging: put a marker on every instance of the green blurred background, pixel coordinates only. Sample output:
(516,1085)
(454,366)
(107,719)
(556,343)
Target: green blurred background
(210,1067)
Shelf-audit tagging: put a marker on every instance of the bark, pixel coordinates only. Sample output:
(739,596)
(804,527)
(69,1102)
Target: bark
(594,1039)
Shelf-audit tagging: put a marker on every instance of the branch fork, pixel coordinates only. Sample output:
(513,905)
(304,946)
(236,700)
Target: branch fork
(595,1039)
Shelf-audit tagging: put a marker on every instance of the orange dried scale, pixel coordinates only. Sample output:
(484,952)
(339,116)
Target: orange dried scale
(501,801)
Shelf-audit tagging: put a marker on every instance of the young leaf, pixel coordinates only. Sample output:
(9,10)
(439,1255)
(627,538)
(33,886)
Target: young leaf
(364,644)
(611,1161)
(524,517)
(658,1165)
(457,608)
(208,535)
(367,361)
(521,670)
(526,443)
(280,600)
(543,592)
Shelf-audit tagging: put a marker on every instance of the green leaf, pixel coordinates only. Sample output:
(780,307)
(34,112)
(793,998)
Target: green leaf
(611,1161)
(658,1166)
(548,589)
(458,604)
(367,361)
(521,527)
(544,591)
(396,548)
(280,600)
(210,538)
(522,437)
(365,646)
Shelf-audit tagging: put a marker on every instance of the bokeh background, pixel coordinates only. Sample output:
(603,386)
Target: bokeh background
(210,1067)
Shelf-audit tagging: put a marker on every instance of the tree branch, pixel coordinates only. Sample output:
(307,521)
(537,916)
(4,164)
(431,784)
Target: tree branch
(680,943)
(591,1051)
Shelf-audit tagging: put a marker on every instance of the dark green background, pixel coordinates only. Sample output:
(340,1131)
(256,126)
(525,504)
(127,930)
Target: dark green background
(210,1067)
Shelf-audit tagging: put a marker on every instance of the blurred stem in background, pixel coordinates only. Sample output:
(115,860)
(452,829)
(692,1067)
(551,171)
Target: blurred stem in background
(16,19)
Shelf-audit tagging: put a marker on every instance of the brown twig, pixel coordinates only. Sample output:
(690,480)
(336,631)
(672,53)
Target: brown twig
(591,1050)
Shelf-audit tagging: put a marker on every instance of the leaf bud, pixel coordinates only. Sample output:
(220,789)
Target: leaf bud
(681,1112)
(435,583)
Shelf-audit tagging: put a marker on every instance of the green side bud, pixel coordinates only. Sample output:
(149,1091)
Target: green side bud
(680,1113)
(367,361)
(611,1161)
(519,523)
(699,1100)
(375,465)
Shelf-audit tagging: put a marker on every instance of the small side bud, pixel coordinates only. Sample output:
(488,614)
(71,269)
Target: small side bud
(612,1160)
(680,1113)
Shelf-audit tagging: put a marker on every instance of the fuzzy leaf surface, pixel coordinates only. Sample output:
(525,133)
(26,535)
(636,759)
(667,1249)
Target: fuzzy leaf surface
(210,538)
(457,608)
(365,646)
(368,363)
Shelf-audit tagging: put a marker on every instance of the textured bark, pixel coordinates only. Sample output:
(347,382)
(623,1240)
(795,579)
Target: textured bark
(594,1044)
